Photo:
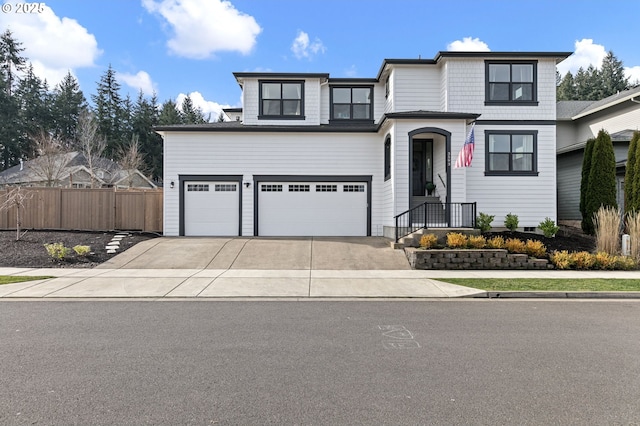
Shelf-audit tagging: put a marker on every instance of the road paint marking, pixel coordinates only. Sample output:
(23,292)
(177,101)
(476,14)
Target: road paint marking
(398,337)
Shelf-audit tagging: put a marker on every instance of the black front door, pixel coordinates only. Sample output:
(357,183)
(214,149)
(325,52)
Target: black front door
(422,169)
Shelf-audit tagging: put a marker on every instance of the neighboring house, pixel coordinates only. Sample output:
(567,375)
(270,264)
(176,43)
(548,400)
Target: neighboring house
(312,155)
(72,170)
(579,121)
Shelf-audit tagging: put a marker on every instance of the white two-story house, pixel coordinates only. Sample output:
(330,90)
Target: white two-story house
(312,155)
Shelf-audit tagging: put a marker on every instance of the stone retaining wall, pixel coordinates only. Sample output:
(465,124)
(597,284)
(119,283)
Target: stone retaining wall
(472,259)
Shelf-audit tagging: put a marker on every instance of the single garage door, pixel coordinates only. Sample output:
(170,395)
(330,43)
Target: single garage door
(312,209)
(211,208)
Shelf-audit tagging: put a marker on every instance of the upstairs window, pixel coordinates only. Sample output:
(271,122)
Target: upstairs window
(352,103)
(281,99)
(511,83)
(511,153)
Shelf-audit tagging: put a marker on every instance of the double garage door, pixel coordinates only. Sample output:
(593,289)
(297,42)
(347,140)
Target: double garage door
(283,208)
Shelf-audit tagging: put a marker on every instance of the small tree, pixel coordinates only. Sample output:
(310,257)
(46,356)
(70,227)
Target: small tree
(16,197)
(630,196)
(50,165)
(601,189)
(90,143)
(131,160)
(584,181)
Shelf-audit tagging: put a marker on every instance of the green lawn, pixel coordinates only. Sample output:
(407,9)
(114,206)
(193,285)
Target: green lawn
(5,279)
(537,284)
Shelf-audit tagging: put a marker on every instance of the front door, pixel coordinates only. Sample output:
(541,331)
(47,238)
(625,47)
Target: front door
(422,171)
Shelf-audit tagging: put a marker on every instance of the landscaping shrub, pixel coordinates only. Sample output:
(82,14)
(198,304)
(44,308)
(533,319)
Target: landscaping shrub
(604,260)
(625,263)
(583,260)
(57,250)
(514,245)
(535,248)
(548,227)
(607,226)
(561,259)
(511,222)
(602,188)
(428,241)
(483,222)
(477,241)
(456,240)
(495,243)
(633,227)
(82,250)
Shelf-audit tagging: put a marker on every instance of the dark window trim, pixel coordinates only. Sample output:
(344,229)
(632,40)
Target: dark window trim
(351,120)
(262,116)
(534,160)
(387,158)
(534,90)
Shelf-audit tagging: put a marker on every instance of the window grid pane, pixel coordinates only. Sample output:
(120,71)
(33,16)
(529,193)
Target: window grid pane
(511,152)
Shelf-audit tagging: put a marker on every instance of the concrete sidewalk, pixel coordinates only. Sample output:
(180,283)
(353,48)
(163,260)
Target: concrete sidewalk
(203,283)
(228,283)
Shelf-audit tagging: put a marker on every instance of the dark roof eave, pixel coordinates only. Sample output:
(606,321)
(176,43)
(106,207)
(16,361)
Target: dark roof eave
(433,114)
(274,75)
(326,128)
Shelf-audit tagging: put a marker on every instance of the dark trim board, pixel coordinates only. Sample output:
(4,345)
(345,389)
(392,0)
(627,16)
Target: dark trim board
(447,137)
(257,179)
(516,122)
(208,178)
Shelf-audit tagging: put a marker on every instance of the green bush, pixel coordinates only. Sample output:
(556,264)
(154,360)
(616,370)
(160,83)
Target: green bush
(548,227)
(57,250)
(483,222)
(601,187)
(511,222)
(82,250)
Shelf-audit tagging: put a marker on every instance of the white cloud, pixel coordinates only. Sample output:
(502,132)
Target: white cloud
(586,53)
(303,48)
(468,44)
(203,27)
(351,72)
(140,81)
(210,109)
(633,73)
(54,45)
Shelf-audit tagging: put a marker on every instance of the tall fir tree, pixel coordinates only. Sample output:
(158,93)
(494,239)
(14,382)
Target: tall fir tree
(635,185)
(566,90)
(108,106)
(630,190)
(68,103)
(145,116)
(11,64)
(169,113)
(601,190)
(612,76)
(35,114)
(190,113)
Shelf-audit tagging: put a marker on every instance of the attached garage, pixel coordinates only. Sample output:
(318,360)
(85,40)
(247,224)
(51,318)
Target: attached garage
(210,206)
(313,206)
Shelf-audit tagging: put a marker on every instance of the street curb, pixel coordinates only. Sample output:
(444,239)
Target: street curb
(558,295)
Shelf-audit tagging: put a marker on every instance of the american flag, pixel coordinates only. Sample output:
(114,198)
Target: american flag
(466,153)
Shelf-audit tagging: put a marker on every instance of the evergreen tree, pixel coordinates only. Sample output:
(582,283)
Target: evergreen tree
(584,181)
(612,76)
(68,103)
(635,185)
(11,60)
(145,117)
(601,190)
(630,192)
(221,118)
(169,114)
(566,90)
(190,113)
(35,114)
(108,106)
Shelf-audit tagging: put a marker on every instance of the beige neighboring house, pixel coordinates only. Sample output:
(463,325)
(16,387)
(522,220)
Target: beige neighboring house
(72,170)
(578,121)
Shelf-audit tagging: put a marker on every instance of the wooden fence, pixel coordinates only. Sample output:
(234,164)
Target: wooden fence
(86,209)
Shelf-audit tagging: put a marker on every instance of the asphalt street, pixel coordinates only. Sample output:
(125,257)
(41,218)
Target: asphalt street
(363,362)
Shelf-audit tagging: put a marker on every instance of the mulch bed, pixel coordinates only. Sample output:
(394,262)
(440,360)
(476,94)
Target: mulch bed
(567,240)
(29,250)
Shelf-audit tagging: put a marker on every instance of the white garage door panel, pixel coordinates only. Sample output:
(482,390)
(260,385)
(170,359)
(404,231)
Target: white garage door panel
(312,213)
(211,208)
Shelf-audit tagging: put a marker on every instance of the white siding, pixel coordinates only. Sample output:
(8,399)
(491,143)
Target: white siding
(417,87)
(613,120)
(248,154)
(251,107)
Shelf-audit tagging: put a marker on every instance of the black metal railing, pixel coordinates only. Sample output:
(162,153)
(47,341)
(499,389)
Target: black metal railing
(435,215)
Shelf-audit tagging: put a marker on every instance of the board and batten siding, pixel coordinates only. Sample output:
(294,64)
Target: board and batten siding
(251,104)
(249,154)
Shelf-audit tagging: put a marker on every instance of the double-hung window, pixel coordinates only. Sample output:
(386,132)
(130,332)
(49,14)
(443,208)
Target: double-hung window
(512,83)
(511,153)
(352,103)
(282,99)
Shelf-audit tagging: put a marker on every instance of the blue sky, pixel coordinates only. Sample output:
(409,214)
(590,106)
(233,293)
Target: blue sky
(179,47)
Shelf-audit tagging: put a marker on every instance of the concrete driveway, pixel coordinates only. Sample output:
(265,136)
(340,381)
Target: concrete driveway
(286,253)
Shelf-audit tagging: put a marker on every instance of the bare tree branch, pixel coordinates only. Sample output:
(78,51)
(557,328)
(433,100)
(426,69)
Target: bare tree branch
(16,197)
(90,143)
(131,160)
(50,164)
